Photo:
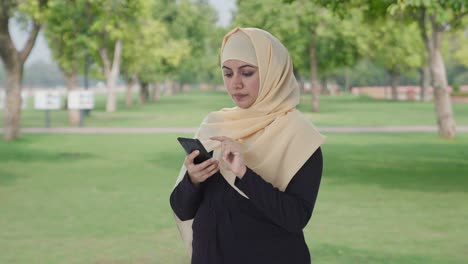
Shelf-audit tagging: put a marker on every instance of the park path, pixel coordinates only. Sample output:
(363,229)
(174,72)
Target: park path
(191,130)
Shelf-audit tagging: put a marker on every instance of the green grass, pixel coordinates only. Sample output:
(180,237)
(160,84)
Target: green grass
(384,198)
(350,110)
(182,110)
(188,110)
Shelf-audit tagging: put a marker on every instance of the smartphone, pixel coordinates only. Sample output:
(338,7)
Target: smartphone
(192,144)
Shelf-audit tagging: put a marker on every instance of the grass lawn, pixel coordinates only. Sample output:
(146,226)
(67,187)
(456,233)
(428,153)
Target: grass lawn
(188,109)
(384,198)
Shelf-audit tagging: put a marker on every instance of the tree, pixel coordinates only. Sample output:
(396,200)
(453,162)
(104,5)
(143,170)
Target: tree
(14,59)
(296,24)
(455,52)
(148,59)
(318,41)
(111,20)
(435,17)
(396,47)
(194,22)
(310,24)
(67,33)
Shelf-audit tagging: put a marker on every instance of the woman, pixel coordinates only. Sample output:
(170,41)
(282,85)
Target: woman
(250,202)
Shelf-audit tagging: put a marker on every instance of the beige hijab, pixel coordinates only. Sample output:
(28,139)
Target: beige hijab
(277,138)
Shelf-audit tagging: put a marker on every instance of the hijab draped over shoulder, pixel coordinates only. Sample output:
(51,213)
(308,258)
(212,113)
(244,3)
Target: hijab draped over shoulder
(277,139)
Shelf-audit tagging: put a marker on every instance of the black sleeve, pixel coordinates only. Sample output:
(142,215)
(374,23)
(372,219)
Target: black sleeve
(292,208)
(185,199)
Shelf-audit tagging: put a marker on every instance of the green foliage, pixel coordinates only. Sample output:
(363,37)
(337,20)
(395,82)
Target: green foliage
(455,46)
(67,32)
(150,50)
(364,73)
(180,39)
(445,14)
(279,19)
(26,13)
(193,23)
(77,29)
(30,9)
(42,75)
(461,78)
(455,52)
(342,42)
(112,19)
(396,46)
(2,73)
(171,39)
(338,41)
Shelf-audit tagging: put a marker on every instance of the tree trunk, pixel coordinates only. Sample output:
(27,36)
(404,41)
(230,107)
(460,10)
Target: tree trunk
(128,94)
(443,103)
(328,86)
(386,95)
(13,62)
(300,81)
(73,114)
(156,92)
(394,81)
(347,84)
(301,85)
(169,87)
(12,114)
(129,91)
(112,72)
(425,70)
(177,86)
(425,83)
(314,77)
(144,92)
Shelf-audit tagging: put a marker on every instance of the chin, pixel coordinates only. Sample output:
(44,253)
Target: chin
(244,106)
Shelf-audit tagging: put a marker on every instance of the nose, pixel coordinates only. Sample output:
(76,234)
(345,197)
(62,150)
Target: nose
(237,81)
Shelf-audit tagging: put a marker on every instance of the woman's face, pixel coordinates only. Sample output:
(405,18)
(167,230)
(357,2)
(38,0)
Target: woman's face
(242,82)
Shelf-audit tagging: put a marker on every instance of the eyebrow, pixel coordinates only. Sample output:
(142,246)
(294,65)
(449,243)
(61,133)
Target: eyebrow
(243,66)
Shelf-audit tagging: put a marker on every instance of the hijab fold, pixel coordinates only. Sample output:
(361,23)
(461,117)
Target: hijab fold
(276,137)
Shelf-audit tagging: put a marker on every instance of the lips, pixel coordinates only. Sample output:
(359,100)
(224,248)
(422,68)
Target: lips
(239,97)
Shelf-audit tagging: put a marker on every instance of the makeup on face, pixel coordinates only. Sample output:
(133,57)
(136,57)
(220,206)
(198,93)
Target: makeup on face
(242,82)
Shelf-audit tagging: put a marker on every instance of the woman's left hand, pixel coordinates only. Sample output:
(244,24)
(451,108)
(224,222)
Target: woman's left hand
(232,154)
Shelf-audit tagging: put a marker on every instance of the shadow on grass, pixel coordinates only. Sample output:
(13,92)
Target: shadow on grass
(20,151)
(169,159)
(28,155)
(23,156)
(7,177)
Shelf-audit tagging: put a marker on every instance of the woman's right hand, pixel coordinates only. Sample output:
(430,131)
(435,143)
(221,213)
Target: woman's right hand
(198,173)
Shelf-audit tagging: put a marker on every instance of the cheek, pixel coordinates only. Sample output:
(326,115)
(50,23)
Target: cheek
(227,84)
(254,86)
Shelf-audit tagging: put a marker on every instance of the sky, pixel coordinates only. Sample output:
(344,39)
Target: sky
(41,50)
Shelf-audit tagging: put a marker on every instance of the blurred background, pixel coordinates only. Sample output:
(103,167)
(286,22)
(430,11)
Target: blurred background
(94,93)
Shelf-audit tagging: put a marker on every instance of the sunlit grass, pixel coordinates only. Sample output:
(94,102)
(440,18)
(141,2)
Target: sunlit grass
(384,198)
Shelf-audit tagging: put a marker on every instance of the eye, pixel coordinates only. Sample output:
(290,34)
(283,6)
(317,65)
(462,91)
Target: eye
(247,74)
(228,74)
